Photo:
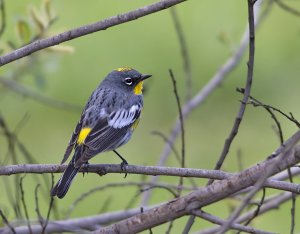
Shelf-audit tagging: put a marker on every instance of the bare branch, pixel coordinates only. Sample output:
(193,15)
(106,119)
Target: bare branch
(142,170)
(207,195)
(37,206)
(19,89)
(24,205)
(274,203)
(229,65)
(118,185)
(77,224)
(236,226)
(50,207)
(248,86)
(87,29)
(11,228)
(278,157)
(184,53)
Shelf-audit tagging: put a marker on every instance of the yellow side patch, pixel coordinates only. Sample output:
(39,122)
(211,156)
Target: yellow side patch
(138,88)
(82,135)
(122,69)
(135,124)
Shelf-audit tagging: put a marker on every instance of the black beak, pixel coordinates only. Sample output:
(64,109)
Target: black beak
(146,76)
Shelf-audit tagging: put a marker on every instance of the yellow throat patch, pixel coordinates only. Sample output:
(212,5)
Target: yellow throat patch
(122,69)
(82,135)
(138,88)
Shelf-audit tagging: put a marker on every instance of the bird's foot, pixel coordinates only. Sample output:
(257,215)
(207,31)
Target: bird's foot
(85,168)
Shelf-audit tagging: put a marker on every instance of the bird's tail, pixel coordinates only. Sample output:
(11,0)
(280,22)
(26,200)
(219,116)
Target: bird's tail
(63,185)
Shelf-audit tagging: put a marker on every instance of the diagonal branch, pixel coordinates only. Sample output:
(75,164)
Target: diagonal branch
(229,65)
(87,29)
(240,114)
(204,196)
(22,90)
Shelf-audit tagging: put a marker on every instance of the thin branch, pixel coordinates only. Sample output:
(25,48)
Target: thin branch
(103,169)
(10,227)
(206,195)
(230,64)
(49,208)
(256,212)
(255,102)
(270,109)
(85,195)
(184,52)
(287,8)
(174,150)
(87,29)
(278,157)
(240,114)
(214,219)
(26,92)
(37,206)
(77,224)
(182,137)
(3,17)
(24,205)
(273,203)
(180,118)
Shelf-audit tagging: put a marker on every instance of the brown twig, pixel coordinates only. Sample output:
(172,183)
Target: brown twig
(206,195)
(24,204)
(248,86)
(184,53)
(49,208)
(37,206)
(229,65)
(11,228)
(278,157)
(182,131)
(213,219)
(273,203)
(270,109)
(256,212)
(255,102)
(85,195)
(181,123)
(174,150)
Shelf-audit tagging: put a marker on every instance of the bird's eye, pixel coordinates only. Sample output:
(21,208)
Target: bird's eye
(128,81)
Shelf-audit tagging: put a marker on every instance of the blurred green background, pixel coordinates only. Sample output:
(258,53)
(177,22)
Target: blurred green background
(212,31)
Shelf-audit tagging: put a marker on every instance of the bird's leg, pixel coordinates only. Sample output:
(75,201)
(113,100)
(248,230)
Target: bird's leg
(123,164)
(86,168)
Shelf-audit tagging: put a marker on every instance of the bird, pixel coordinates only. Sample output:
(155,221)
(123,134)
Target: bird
(107,122)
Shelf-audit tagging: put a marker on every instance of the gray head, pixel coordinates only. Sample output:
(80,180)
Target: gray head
(125,79)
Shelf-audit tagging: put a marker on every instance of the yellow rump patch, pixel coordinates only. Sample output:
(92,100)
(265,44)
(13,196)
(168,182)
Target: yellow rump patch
(138,88)
(122,69)
(82,135)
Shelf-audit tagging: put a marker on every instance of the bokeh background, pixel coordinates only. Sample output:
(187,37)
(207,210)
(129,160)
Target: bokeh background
(212,31)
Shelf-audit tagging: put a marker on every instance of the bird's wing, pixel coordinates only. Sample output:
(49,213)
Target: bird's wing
(110,132)
(73,140)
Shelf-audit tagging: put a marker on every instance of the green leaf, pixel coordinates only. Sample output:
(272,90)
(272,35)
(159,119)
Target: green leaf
(37,19)
(23,30)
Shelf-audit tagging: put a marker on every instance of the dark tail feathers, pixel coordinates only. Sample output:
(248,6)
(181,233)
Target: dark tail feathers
(63,185)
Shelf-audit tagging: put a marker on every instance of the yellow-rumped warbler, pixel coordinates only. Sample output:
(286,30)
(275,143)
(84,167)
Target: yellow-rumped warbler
(106,123)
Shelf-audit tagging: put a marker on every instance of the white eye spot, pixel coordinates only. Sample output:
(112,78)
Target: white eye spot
(128,81)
